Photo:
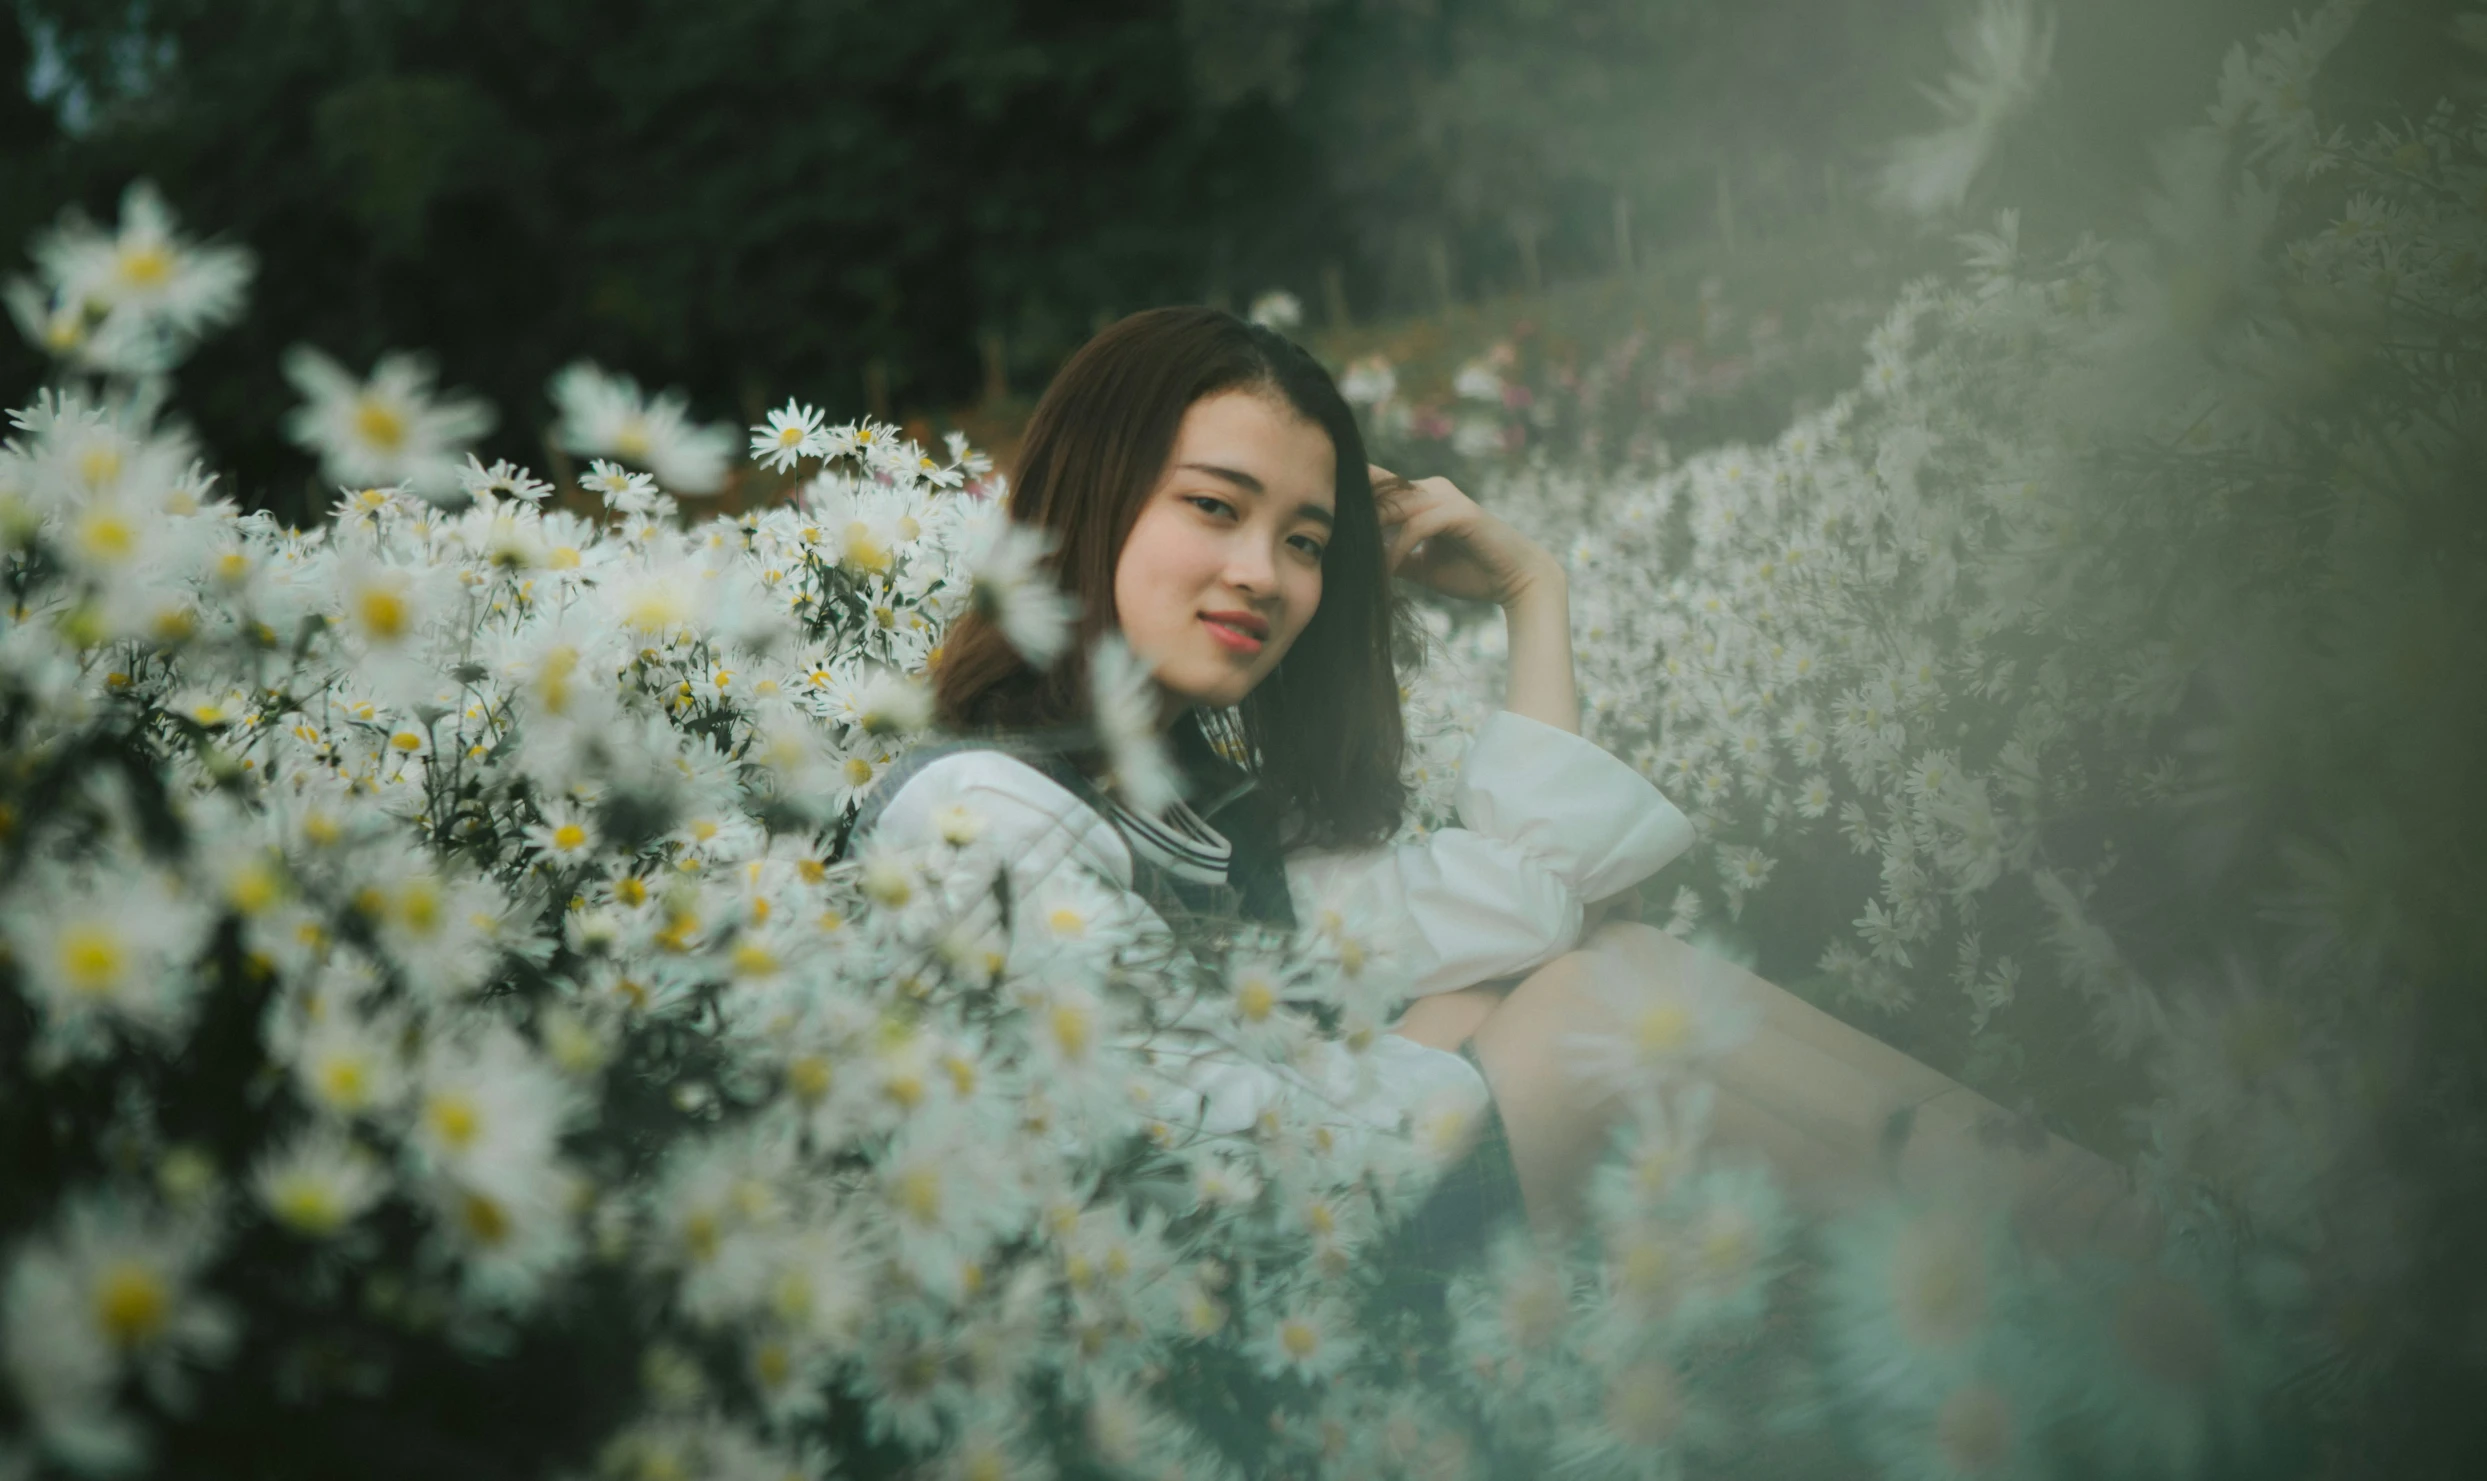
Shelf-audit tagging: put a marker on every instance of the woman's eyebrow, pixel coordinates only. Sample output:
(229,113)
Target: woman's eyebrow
(1246,481)
(1234,476)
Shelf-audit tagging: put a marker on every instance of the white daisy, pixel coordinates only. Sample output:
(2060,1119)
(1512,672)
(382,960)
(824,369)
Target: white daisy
(1011,587)
(318,1183)
(149,287)
(790,435)
(624,492)
(1662,1024)
(1912,1294)
(387,430)
(1277,309)
(489,1112)
(503,479)
(1123,697)
(443,930)
(567,834)
(607,416)
(107,1290)
(2004,47)
(890,704)
(112,947)
(1309,1338)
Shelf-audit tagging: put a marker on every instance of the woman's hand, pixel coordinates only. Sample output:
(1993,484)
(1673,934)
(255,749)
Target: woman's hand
(1435,535)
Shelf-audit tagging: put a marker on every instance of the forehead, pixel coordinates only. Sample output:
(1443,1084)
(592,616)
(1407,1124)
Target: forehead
(1260,435)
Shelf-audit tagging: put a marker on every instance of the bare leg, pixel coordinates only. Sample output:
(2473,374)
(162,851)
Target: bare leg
(1814,1096)
(1445,1020)
(1556,1123)
(1819,1099)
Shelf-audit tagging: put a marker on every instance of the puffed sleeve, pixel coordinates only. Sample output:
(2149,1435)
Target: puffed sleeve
(1549,822)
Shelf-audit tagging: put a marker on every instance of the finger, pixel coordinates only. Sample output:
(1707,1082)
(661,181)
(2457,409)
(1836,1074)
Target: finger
(1389,488)
(1409,535)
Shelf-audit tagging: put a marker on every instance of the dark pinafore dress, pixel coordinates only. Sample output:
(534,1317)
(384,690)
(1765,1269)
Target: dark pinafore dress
(1474,1197)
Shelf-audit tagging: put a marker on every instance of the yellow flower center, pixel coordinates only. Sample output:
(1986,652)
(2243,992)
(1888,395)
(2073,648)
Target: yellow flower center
(454,1118)
(1664,1028)
(146,265)
(418,907)
(92,959)
(382,612)
(132,1303)
(809,1077)
(485,1221)
(654,610)
(1071,1027)
(569,837)
(772,1364)
(919,1194)
(345,1082)
(1726,1248)
(308,1204)
(1644,1271)
(254,888)
(863,551)
(380,424)
(106,536)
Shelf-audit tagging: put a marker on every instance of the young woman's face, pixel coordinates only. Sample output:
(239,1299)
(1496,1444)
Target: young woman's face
(1234,528)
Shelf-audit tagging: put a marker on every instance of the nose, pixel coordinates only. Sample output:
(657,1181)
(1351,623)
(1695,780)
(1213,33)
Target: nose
(1250,569)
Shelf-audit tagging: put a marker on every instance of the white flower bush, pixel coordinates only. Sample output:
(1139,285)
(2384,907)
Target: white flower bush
(438,977)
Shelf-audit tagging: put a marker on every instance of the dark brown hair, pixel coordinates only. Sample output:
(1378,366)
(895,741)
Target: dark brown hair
(1323,731)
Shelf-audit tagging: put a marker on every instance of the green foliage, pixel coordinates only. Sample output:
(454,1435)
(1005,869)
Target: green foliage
(726,195)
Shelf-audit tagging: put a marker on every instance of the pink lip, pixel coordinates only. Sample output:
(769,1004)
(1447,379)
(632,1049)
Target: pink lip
(1240,642)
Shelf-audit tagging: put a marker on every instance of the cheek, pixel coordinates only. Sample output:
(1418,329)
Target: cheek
(1153,570)
(1303,599)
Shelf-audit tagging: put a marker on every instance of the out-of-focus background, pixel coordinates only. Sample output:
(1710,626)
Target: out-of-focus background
(917,211)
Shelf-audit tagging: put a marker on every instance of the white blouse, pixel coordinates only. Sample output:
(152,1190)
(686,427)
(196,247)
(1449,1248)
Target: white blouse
(1549,823)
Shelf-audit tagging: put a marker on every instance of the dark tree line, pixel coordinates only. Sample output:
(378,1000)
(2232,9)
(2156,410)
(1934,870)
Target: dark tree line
(892,206)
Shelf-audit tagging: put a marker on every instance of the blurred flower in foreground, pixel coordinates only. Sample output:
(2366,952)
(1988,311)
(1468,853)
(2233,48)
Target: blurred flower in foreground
(1125,703)
(1011,588)
(129,302)
(1277,309)
(108,1293)
(2004,49)
(389,429)
(607,416)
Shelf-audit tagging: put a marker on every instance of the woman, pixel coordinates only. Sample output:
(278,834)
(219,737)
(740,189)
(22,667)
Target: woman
(1208,489)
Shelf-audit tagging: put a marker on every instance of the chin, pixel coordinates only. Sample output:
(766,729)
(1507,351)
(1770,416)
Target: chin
(1215,696)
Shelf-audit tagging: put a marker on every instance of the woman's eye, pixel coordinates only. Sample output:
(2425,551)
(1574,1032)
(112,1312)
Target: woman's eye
(1203,499)
(1310,546)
